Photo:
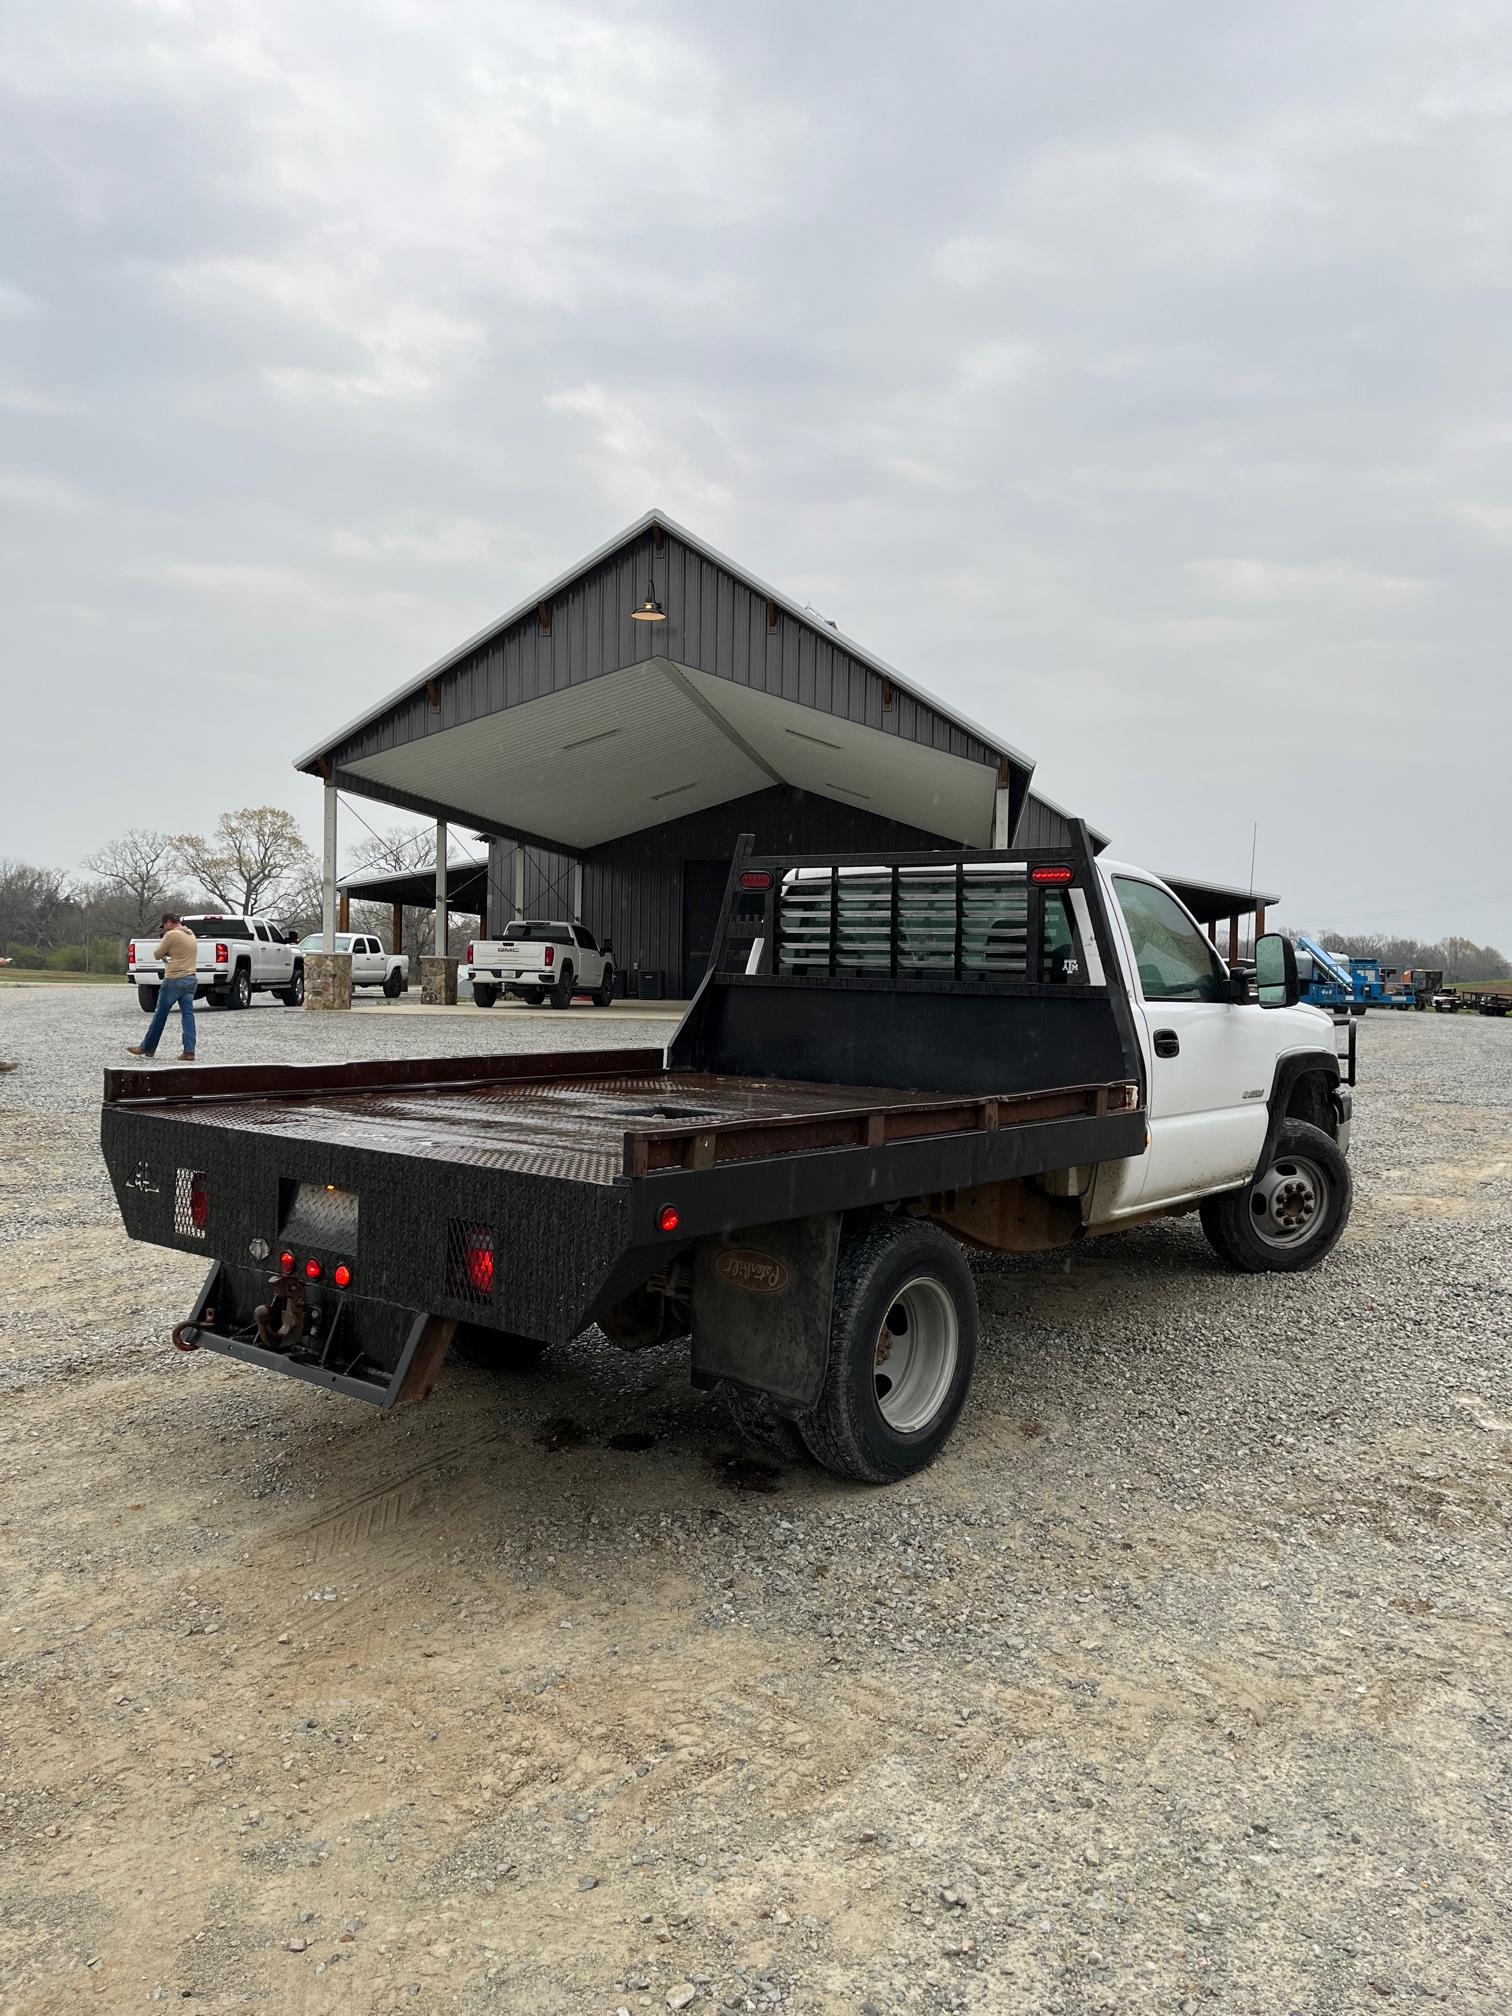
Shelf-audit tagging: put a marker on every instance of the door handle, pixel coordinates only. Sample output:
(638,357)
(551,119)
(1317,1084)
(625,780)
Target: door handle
(1167,1043)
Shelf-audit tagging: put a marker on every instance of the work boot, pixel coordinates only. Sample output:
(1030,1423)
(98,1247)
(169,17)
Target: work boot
(136,1050)
(186,1057)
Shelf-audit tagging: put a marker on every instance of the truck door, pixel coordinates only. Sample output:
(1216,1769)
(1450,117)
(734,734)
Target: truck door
(1210,1059)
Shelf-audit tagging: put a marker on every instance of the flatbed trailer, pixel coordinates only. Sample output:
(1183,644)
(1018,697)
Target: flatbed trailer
(888,1055)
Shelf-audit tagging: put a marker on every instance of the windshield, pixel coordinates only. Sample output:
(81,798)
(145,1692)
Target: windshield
(314,941)
(532,931)
(218,927)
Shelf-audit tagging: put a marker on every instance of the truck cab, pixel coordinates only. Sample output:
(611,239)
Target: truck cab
(1216,1055)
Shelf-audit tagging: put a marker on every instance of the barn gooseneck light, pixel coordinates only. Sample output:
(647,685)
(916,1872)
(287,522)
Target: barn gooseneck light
(650,611)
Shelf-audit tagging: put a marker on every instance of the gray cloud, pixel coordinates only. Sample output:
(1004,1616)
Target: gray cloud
(1133,377)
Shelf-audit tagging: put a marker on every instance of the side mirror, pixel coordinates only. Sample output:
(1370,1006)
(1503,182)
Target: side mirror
(1276,983)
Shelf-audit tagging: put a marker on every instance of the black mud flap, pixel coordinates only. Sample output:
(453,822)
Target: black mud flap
(367,1350)
(761,1308)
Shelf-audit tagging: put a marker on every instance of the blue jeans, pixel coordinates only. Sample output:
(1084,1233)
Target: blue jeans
(172,994)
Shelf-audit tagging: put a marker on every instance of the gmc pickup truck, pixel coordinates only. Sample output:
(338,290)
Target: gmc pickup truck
(238,957)
(889,1058)
(371,965)
(541,959)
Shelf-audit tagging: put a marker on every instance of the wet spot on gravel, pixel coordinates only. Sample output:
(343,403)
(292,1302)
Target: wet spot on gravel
(632,1438)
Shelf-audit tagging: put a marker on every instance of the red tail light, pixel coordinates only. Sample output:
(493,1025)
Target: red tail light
(199,1202)
(668,1218)
(222,955)
(548,955)
(313,1270)
(342,1275)
(479,1258)
(1053,877)
(756,878)
(469,952)
(131,953)
(286,1263)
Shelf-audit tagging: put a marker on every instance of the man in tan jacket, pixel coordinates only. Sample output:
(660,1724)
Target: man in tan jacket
(179,952)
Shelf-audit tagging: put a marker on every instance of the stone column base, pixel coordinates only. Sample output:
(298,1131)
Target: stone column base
(328,979)
(438,982)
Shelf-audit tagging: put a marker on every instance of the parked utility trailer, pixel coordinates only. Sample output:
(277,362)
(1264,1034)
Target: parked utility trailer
(888,1056)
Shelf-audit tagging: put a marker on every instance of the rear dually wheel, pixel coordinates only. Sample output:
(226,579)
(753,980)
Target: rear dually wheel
(903,1338)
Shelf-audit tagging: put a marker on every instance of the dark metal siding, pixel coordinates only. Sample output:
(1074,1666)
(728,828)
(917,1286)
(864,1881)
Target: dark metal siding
(633,888)
(714,623)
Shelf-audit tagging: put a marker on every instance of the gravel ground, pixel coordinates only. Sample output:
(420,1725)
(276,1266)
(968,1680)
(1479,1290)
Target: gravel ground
(1179,1683)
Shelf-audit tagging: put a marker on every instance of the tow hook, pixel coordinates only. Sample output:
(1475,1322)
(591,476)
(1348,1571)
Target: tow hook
(186,1337)
(292,1321)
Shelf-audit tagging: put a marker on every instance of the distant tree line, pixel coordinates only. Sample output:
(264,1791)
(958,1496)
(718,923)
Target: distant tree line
(1456,958)
(255,860)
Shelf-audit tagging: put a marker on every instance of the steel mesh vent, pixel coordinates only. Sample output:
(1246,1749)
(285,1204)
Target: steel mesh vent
(191,1204)
(470,1259)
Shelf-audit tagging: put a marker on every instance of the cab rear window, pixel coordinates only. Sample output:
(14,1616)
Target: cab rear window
(533,931)
(219,927)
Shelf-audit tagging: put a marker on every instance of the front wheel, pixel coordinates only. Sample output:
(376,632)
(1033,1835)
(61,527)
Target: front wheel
(532,996)
(147,999)
(604,994)
(903,1338)
(1291,1216)
(561,995)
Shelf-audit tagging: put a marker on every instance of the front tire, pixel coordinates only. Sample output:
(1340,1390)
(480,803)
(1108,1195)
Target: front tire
(561,995)
(147,999)
(532,996)
(484,996)
(903,1338)
(1291,1216)
(604,993)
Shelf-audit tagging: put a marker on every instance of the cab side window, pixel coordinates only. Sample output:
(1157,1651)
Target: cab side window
(586,940)
(1175,961)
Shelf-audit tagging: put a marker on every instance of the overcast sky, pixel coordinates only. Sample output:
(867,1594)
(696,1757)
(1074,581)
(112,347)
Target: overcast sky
(1136,376)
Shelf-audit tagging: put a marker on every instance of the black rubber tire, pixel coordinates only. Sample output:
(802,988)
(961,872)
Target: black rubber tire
(393,984)
(561,995)
(147,999)
(605,992)
(240,995)
(1357,1009)
(497,1350)
(758,1423)
(292,996)
(532,996)
(218,998)
(846,1431)
(484,996)
(1228,1220)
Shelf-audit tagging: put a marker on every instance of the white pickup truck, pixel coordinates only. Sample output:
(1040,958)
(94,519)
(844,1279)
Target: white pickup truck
(541,959)
(238,957)
(371,965)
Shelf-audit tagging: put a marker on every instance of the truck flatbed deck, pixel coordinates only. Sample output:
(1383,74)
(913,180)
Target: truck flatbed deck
(584,1118)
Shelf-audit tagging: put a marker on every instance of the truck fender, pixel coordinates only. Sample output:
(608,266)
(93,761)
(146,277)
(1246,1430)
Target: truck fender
(1291,1068)
(761,1308)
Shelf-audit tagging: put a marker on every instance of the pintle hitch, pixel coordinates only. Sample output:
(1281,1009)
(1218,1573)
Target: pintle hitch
(292,1322)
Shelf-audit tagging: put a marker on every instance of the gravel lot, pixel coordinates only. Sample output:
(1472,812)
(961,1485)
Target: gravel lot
(1180,1683)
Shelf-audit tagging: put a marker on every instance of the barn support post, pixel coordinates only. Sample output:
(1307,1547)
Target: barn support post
(328,884)
(439,944)
(1233,956)
(344,911)
(397,929)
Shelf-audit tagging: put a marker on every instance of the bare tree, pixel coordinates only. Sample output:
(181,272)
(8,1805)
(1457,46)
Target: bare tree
(250,862)
(139,864)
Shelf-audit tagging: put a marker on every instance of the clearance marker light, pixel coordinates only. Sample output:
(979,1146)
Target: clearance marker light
(1055,877)
(668,1218)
